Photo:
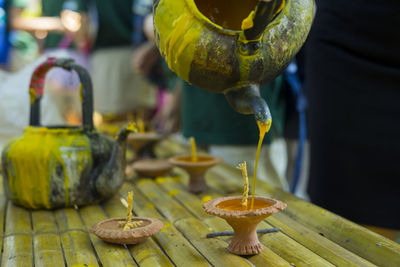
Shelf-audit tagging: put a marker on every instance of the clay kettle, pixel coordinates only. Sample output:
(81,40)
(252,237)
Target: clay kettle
(62,166)
(232,46)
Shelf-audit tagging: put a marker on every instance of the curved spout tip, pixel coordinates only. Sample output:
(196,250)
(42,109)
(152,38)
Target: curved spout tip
(246,99)
(125,130)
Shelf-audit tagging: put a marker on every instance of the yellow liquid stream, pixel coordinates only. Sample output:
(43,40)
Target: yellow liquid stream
(263,127)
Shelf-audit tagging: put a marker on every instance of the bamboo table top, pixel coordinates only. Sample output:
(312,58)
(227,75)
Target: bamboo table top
(310,236)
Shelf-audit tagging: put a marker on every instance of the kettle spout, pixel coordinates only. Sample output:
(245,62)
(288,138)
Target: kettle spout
(246,99)
(113,173)
(125,131)
(254,25)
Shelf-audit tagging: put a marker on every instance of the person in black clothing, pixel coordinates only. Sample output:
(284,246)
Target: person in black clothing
(352,77)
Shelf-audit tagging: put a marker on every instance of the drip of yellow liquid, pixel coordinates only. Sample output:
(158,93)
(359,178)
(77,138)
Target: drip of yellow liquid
(236,204)
(263,128)
(193,146)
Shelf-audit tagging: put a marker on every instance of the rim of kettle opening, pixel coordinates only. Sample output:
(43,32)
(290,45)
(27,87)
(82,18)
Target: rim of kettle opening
(55,128)
(193,7)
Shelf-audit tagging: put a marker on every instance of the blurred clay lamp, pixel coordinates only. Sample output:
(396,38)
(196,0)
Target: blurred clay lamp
(128,230)
(239,213)
(196,166)
(143,142)
(152,168)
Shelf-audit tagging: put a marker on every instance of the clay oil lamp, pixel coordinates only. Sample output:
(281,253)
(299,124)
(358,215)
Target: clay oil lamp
(243,214)
(152,167)
(196,166)
(129,230)
(143,141)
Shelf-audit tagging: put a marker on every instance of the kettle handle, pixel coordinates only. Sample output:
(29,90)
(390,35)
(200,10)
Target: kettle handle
(37,83)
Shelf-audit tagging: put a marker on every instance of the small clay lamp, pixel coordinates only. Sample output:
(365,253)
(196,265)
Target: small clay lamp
(152,167)
(143,142)
(238,213)
(129,230)
(196,166)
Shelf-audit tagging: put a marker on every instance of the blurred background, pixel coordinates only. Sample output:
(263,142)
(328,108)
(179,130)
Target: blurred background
(345,81)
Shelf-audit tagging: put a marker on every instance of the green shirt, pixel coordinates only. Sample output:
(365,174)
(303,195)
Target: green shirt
(114,23)
(209,118)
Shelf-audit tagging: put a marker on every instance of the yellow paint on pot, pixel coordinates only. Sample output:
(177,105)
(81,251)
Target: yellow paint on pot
(247,23)
(281,7)
(177,44)
(33,161)
(132,127)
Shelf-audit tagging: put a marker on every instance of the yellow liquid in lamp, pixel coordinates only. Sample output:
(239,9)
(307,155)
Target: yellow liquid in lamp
(228,14)
(199,159)
(236,204)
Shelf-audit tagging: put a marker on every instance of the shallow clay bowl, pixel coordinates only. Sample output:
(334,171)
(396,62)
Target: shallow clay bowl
(139,140)
(110,231)
(152,167)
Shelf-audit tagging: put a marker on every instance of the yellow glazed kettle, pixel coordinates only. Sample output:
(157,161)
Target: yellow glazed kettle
(232,46)
(62,166)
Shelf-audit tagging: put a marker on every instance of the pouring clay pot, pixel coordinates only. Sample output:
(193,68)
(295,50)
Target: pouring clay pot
(232,46)
(243,221)
(196,170)
(63,166)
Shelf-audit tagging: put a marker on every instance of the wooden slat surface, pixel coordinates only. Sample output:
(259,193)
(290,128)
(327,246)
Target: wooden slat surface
(75,240)
(109,254)
(17,246)
(309,236)
(46,239)
(176,246)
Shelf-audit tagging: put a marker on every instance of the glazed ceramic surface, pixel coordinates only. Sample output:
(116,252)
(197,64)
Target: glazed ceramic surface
(61,166)
(235,49)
